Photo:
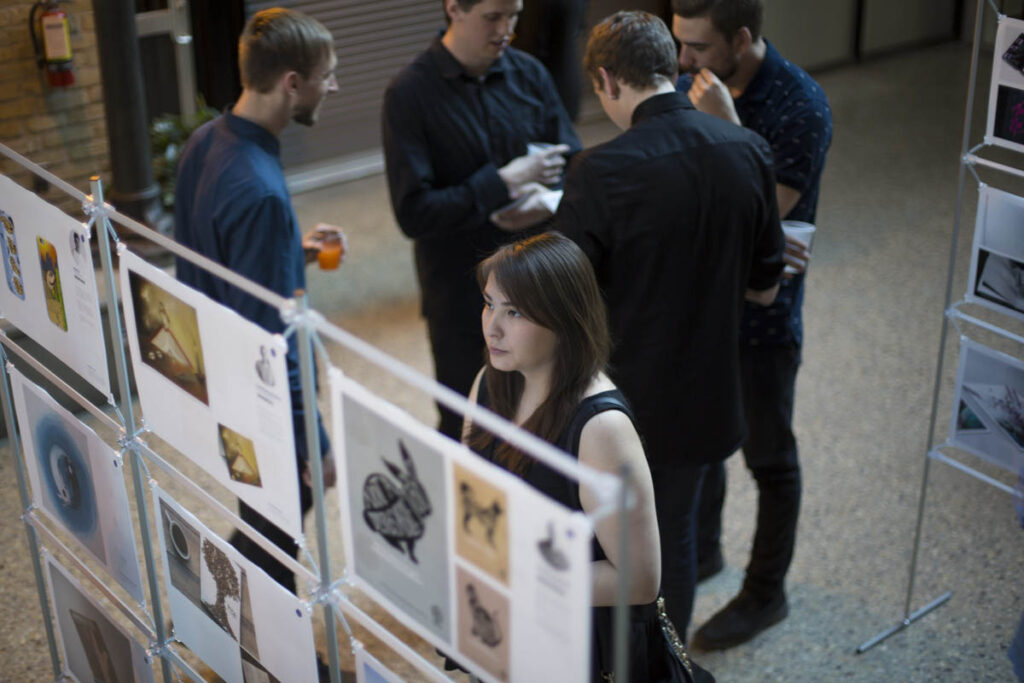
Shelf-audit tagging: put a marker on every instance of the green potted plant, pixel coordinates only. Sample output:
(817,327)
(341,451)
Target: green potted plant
(167,136)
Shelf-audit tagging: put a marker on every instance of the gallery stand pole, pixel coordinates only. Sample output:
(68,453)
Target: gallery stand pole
(30,531)
(103,232)
(307,372)
(908,616)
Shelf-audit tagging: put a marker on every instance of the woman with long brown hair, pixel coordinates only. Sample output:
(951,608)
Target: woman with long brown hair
(546,332)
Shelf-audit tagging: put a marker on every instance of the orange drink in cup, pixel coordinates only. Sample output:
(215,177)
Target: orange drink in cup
(331,250)
(327,244)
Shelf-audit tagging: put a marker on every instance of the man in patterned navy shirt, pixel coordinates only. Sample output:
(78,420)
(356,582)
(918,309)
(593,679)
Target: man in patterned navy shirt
(729,70)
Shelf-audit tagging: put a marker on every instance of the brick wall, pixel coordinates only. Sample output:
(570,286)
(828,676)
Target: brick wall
(62,129)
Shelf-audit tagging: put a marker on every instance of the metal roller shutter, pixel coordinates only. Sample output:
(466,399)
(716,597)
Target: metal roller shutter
(373,40)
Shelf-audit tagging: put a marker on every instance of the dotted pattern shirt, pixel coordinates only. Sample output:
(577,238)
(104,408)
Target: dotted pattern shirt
(786,107)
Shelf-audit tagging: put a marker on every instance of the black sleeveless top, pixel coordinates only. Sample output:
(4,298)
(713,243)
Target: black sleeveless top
(550,482)
(646,641)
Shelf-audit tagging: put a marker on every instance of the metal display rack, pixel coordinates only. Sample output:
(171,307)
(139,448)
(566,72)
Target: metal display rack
(311,330)
(953,315)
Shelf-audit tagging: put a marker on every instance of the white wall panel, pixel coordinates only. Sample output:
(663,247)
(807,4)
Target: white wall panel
(891,24)
(811,33)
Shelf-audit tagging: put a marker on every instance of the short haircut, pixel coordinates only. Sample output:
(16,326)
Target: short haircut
(278,40)
(635,47)
(465,6)
(727,16)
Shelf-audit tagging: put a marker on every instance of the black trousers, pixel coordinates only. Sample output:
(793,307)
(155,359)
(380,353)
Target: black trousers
(260,557)
(458,355)
(676,492)
(769,380)
(548,30)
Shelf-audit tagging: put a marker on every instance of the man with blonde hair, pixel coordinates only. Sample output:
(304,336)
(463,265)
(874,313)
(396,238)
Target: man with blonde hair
(232,205)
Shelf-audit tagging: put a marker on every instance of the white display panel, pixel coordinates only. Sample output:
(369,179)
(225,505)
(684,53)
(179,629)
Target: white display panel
(370,670)
(997,256)
(393,479)
(988,406)
(77,481)
(428,522)
(1006,97)
(228,611)
(93,647)
(214,386)
(49,288)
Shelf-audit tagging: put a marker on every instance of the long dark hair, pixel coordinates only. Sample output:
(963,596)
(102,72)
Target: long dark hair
(550,281)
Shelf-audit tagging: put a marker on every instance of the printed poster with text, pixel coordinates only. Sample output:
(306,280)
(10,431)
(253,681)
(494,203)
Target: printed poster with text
(482,565)
(214,386)
(93,646)
(988,406)
(77,481)
(1006,97)
(370,670)
(997,256)
(229,612)
(49,288)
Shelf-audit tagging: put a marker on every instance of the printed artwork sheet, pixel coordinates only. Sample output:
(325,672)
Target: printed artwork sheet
(997,258)
(522,592)
(214,386)
(93,647)
(77,481)
(1006,97)
(478,562)
(229,612)
(370,670)
(988,406)
(49,287)
(392,474)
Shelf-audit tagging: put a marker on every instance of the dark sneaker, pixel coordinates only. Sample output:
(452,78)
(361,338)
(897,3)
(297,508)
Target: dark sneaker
(708,567)
(744,617)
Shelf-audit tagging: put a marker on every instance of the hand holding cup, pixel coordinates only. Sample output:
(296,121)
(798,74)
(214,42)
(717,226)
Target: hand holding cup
(326,244)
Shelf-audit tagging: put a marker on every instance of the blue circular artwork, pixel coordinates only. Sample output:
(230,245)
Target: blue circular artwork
(66,475)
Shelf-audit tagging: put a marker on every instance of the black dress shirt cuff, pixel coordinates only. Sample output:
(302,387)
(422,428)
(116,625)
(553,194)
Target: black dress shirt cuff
(489,189)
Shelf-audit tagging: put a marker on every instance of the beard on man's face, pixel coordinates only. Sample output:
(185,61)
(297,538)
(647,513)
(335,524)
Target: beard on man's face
(722,74)
(306,116)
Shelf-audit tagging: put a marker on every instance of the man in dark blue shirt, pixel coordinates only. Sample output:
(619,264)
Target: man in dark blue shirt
(232,206)
(457,125)
(732,72)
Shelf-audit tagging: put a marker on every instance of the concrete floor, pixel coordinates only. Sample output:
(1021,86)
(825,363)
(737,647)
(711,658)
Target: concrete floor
(873,317)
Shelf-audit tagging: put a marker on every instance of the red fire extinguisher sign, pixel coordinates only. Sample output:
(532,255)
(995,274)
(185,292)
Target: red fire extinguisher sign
(51,37)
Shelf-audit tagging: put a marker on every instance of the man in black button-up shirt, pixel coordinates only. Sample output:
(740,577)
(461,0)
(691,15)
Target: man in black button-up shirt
(679,216)
(456,124)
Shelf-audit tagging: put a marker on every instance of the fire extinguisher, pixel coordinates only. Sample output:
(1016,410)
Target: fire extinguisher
(51,39)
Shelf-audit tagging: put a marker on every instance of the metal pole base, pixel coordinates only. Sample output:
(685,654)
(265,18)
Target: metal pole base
(937,602)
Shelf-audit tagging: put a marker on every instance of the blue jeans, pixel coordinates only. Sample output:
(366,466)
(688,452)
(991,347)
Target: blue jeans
(768,376)
(676,492)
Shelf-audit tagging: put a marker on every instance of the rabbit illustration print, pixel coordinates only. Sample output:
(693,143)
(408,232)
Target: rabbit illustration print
(396,505)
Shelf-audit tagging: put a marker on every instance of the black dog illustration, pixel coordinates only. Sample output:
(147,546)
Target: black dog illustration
(487,516)
(396,511)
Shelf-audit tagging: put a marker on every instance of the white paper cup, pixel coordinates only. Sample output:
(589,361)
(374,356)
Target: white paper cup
(801,231)
(534,147)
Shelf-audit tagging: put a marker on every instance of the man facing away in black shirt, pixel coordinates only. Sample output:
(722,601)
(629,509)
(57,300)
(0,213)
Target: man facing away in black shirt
(456,124)
(679,217)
